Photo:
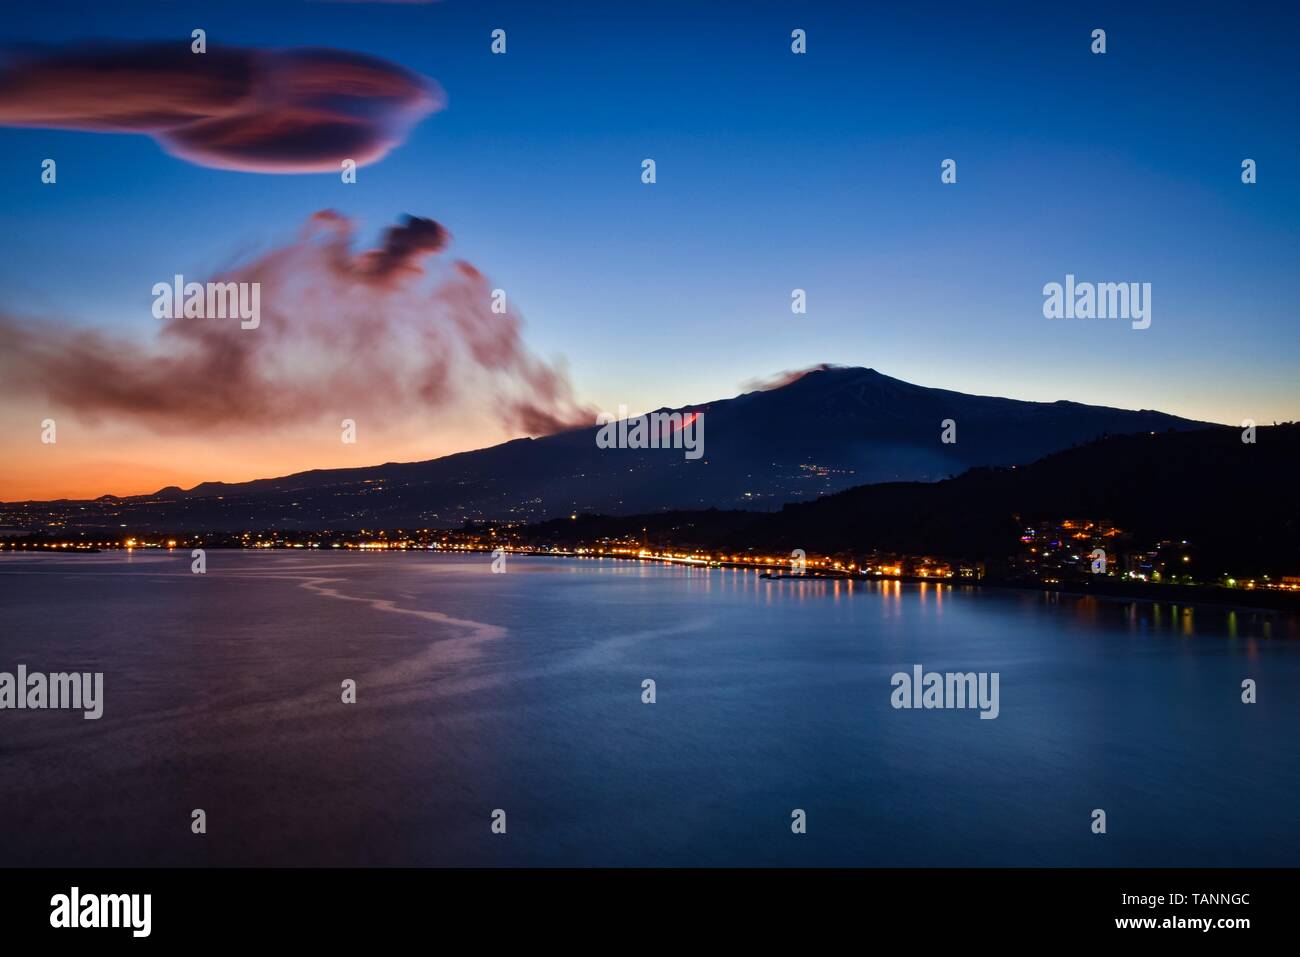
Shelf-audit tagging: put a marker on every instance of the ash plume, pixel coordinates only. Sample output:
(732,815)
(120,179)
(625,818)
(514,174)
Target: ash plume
(390,332)
(783,378)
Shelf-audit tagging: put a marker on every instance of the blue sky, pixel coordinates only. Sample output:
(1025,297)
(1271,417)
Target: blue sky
(775,171)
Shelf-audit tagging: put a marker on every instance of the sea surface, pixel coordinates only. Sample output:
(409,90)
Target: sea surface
(523,692)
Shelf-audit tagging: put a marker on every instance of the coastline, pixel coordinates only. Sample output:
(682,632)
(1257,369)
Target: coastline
(1255,601)
(1283,603)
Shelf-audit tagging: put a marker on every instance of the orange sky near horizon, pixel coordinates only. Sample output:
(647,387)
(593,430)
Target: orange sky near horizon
(86,462)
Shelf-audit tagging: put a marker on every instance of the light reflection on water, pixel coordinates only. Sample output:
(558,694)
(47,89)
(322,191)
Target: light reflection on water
(523,691)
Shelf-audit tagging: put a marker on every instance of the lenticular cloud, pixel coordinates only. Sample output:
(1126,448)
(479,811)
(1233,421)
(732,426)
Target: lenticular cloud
(391,332)
(268,111)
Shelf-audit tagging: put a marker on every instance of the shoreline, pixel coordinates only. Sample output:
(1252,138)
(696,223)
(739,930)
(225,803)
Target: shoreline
(1285,603)
(1274,603)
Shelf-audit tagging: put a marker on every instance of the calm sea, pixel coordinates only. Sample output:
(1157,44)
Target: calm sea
(523,692)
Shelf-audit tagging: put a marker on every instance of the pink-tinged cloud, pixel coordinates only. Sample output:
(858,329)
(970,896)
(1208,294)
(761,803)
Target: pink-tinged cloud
(269,111)
(388,334)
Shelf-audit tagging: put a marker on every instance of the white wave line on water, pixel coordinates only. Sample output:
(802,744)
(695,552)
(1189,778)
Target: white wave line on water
(436,652)
(148,734)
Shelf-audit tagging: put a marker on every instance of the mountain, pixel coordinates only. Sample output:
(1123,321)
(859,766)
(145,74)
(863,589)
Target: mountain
(1234,503)
(828,430)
